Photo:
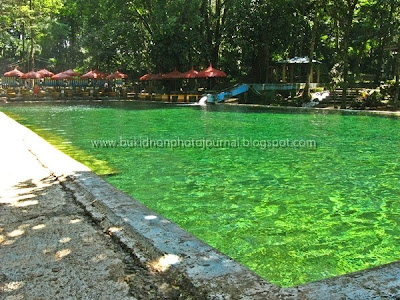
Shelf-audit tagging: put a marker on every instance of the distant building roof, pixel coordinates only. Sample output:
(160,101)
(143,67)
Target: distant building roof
(298,60)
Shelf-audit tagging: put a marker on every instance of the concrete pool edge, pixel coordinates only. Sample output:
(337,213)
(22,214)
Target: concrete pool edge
(155,242)
(160,244)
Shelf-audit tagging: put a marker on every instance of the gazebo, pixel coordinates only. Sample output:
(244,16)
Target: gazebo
(288,65)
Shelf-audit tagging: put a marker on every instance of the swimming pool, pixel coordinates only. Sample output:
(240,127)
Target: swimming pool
(292,213)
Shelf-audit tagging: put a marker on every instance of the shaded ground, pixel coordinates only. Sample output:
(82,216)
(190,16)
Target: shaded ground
(49,248)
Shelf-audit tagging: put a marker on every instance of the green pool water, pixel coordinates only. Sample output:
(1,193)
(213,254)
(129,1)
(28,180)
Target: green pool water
(290,214)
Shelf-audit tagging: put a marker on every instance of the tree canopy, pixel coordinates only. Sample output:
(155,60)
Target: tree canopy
(355,39)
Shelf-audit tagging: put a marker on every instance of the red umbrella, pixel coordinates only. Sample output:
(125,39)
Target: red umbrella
(72,73)
(31,75)
(89,74)
(146,77)
(175,74)
(100,75)
(45,73)
(211,72)
(93,75)
(158,76)
(13,73)
(117,75)
(61,76)
(192,73)
(151,76)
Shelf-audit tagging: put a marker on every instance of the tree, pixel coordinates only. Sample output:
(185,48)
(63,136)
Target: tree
(342,12)
(314,25)
(243,37)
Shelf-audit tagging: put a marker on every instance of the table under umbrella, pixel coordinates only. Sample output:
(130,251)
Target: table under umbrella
(211,72)
(93,75)
(61,77)
(118,78)
(45,73)
(13,73)
(191,75)
(72,73)
(117,75)
(12,77)
(174,75)
(32,76)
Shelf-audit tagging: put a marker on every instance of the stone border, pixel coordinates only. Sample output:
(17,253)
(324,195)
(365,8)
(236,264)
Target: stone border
(164,247)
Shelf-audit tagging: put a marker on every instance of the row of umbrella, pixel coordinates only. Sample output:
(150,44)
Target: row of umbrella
(210,72)
(69,74)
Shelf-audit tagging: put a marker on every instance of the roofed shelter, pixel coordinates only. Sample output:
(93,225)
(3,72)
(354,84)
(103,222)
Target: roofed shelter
(288,65)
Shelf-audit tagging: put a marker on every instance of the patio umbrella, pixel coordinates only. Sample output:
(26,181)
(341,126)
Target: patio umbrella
(100,75)
(151,76)
(117,75)
(146,77)
(13,73)
(175,74)
(61,76)
(45,73)
(210,72)
(72,73)
(31,75)
(12,77)
(157,76)
(93,75)
(192,73)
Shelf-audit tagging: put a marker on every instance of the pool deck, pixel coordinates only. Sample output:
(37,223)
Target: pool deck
(65,231)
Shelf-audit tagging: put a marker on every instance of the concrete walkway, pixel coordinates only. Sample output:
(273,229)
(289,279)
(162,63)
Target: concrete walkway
(49,248)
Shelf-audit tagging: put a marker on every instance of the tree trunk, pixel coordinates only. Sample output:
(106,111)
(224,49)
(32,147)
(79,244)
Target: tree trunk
(383,40)
(32,53)
(207,25)
(220,15)
(217,34)
(259,68)
(357,68)
(23,54)
(348,24)
(397,85)
(73,40)
(267,70)
(378,73)
(32,49)
(345,83)
(306,92)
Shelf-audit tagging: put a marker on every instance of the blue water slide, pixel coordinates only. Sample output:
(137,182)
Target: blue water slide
(236,90)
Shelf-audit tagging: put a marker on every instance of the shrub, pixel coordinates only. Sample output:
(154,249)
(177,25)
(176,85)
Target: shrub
(374,99)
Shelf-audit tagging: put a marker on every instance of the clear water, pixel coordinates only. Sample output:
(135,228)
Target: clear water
(292,215)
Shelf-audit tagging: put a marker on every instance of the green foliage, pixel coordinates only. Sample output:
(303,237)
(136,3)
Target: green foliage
(243,37)
(368,99)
